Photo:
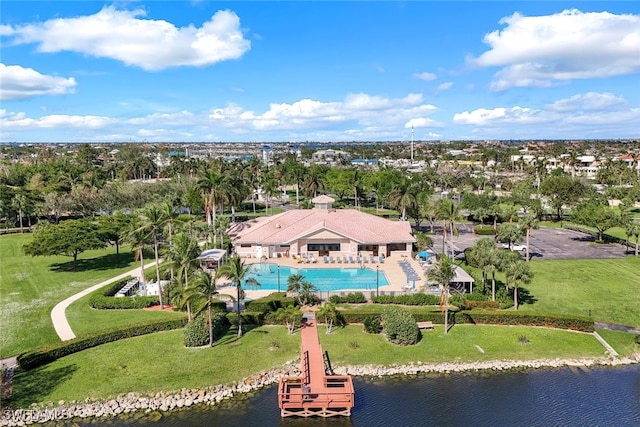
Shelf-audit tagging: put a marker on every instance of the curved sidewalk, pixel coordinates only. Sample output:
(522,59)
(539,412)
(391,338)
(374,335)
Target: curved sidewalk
(58,316)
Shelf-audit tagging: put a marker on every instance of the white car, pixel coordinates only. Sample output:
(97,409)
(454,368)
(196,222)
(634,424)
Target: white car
(514,247)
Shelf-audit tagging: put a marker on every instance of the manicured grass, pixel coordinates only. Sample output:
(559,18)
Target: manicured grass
(622,342)
(152,363)
(608,290)
(32,286)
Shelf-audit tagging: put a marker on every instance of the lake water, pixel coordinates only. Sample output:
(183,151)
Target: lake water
(557,397)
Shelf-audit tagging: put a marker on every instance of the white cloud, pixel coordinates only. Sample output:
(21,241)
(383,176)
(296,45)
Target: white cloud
(421,122)
(588,102)
(20,83)
(149,44)
(483,116)
(425,76)
(444,86)
(53,121)
(540,50)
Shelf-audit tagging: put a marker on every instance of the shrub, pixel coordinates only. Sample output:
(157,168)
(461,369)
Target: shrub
(48,354)
(372,324)
(103,298)
(350,298)
(270,303)
(399,326)
(484,230)
(196,332)
(582,324)
(255,318)
(418,298)
(637,339)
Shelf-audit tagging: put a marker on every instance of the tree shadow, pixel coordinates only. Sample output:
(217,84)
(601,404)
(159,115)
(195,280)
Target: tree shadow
(525,297)
(35,385)
(105,262)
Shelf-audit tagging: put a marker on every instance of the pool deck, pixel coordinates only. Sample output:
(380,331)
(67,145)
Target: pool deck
(391,268)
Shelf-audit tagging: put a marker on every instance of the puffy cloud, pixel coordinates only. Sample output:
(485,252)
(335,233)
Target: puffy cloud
(425,76)
(588,102)
(149,44)
(20,83)
(19,120)
(483,116)
(421,122)
(539,50)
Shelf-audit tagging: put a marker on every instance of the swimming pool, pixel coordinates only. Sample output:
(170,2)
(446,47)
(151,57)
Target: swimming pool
(325,279)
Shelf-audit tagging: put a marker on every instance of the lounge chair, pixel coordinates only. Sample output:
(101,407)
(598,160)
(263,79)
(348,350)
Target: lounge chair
(358,259)
(325,259)
(351,259)
(339,259)
(365,259)
(381,259)
(313,259)
(371,259)
(331,260)
(344,259)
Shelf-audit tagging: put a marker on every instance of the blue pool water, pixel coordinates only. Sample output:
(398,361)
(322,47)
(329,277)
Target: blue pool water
(325,279)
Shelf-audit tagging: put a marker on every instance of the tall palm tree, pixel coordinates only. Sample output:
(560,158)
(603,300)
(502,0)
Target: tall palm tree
(518,273)
(19,203)
(632,228)
(237,271)
(297,284)
(209,186)
(183,257)
(330,314)
(449,213)
(403,196)
(528,222)
(137,238)
(153,220)
(201,295)
(510,233)
(481,252)
(443,272)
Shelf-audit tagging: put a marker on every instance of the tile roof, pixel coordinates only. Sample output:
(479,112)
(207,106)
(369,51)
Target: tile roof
(289,226)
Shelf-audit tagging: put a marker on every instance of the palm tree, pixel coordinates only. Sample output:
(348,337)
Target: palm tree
(518,273)
(442,273)
(403,196)
(153,219)
(137,239)
(183,255)
(201,295)
(632,228)
(19,203)
(448,212)
(510,233)
(290,315)
(237,271)
(303,288)
(330,314)
(208,184)
(528,222)
(481,253)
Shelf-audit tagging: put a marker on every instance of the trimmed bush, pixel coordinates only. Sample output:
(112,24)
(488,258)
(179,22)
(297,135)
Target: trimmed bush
(582,324)
(48,354)
(103,298)
(196,332)
(407,299)
(271,303)
(399,326)
(372,324)
(484,230)
(255,318)
(350,298)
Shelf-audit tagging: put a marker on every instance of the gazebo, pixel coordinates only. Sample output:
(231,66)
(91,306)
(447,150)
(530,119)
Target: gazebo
(211,259)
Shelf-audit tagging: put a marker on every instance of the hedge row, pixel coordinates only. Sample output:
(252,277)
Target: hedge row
(48,354)
(407,299)
(484,230)
(582,324)
(350,298)
(270,303)
(103,298)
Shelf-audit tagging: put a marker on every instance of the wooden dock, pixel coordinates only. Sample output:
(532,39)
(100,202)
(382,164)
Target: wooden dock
(317,392)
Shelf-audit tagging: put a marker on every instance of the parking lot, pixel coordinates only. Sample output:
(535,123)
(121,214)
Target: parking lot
(546,244)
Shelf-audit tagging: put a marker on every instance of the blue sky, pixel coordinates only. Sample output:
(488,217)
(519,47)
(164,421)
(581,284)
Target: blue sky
(187,71)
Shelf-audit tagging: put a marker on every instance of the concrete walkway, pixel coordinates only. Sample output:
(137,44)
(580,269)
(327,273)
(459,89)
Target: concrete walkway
(606,345)
(58,316)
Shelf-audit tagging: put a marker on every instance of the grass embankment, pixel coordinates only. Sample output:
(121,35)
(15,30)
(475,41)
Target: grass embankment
(622,342)
(32,286)
(149,364)
(608,290)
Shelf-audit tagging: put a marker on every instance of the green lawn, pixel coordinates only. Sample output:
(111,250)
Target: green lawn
(622,342)
(31,286)
(607,289)
(151,363)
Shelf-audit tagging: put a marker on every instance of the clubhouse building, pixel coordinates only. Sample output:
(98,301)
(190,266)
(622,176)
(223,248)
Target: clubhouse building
(321,232)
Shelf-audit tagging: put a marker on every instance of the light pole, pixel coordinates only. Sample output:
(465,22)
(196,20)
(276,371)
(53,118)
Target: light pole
(377,279)
(278,277)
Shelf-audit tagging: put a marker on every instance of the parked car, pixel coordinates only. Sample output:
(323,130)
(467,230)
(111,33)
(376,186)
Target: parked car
(514,247)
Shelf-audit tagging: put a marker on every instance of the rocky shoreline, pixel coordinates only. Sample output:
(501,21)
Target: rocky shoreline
(168,401)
